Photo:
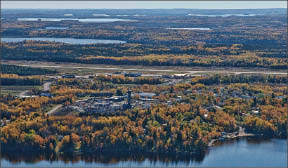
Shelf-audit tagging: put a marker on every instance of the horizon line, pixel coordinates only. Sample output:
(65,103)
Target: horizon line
(156,8)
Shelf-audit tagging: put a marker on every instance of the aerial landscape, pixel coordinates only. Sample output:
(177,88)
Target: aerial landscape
(143,87)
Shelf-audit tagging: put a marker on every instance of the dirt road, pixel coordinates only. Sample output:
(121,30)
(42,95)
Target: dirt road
(54,109)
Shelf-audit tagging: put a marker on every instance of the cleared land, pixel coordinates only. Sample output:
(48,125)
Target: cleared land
(86,68)
(16,90)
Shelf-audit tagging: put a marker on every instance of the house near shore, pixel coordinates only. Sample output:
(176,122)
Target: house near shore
(255,112)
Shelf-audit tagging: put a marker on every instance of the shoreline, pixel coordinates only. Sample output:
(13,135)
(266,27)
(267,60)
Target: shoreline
(213,141)
(103,157)
(229,136)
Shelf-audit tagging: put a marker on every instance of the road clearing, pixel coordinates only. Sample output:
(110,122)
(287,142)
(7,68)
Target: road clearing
(54,109)
(147,69)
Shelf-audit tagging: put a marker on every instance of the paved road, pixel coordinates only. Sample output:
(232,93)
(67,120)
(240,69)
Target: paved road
(54,109)
(46,86)
(172,82)
(23,94)
(189,70)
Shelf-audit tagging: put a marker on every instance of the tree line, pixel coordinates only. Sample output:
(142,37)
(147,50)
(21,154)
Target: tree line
(24,71)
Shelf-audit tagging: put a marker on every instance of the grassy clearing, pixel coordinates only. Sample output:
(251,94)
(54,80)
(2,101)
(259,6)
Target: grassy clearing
(16,90)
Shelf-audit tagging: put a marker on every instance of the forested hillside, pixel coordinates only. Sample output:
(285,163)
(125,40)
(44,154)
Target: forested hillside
(180,38)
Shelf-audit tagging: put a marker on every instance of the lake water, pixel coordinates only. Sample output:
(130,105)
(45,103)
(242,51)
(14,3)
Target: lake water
(243,152)
(224,15)
(56,28)
(88,20)
(100,14)
(65,40)
(198,28)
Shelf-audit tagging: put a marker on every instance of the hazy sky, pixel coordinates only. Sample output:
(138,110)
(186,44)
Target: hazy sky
(145,4)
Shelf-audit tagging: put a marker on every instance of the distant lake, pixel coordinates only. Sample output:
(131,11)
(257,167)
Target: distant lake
(65,40)
(56,28)
(242,152)
(100,14)
(224,15)
(88,20)
(189,28)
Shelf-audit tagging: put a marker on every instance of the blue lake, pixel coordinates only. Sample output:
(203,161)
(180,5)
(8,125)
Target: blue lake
(56,28)
(243,152)
(188,28)
(224,15)
(64,40)
(86,20)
